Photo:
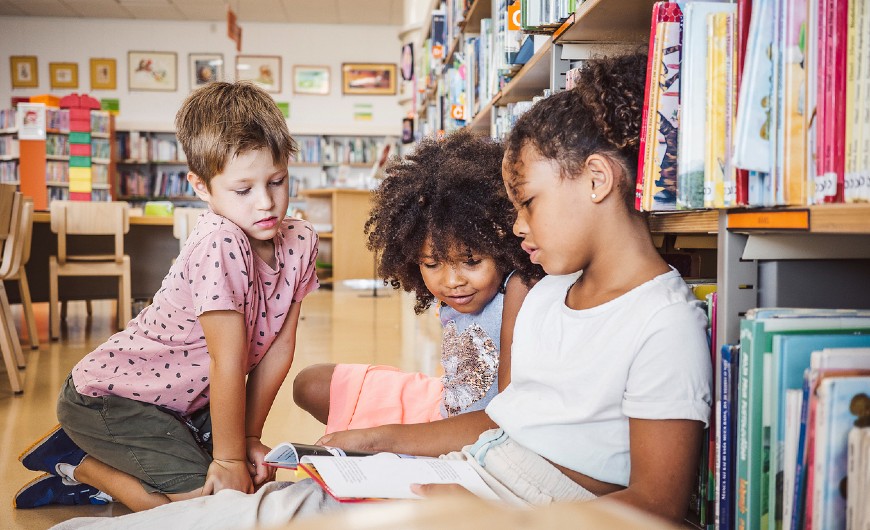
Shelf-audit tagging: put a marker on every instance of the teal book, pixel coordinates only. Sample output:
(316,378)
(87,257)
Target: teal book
(791,356)
(753,434)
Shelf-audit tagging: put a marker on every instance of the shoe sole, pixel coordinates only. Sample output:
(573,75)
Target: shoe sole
(37,443)
(24,487)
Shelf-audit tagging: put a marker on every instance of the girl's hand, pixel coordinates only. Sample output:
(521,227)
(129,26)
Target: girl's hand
(438,490)
(256,452)
(352,440)
(227,474)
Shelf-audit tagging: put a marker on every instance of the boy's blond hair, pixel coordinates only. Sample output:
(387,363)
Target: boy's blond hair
(222,120)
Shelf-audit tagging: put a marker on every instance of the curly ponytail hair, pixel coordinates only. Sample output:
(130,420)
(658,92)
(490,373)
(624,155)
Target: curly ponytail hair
(449,191)
(602,114)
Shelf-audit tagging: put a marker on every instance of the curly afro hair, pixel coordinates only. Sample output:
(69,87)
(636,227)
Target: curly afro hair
(450,191)
(602,114)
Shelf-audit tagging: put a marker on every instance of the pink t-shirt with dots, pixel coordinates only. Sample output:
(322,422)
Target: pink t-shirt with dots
(161,357)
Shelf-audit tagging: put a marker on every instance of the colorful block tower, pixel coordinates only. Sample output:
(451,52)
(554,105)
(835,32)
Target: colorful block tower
(80,108)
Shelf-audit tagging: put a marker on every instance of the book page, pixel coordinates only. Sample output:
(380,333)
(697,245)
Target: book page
(384,476)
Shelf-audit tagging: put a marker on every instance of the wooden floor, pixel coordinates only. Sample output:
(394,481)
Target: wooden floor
(336,326)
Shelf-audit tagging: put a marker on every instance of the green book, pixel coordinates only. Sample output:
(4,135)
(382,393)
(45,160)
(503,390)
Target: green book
(753,425)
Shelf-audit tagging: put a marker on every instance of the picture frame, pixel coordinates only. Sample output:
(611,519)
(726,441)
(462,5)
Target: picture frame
(205,68)
(263,70)
(311,80)
(375,79)
(24,71)
(407,62)
(152,71)
(104,74)
(63,75)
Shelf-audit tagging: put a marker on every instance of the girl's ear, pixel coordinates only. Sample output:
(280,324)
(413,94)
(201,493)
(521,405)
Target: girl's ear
(199,186)
(602,177)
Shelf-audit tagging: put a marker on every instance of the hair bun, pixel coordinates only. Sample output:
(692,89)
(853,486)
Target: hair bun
(613,89)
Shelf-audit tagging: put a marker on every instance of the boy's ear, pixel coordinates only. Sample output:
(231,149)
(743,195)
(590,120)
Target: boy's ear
(199,186)
(602,177)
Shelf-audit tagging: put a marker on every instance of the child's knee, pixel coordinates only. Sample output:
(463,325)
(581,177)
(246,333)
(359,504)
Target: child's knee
(311,386)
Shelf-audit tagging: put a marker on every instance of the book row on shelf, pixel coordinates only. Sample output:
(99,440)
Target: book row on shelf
(148,146)
(328,150)
(758,103)
(785,122)
(788,446)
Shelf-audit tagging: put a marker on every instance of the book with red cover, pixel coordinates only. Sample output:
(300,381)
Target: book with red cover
(646,137)
(744,15)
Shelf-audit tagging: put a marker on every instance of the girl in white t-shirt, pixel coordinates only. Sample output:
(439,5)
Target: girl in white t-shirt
(610,369)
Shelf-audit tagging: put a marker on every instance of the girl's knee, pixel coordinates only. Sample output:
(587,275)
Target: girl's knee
(311,386)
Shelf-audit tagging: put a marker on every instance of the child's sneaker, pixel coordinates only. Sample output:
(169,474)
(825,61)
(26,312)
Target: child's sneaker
(52,449)
(50,489)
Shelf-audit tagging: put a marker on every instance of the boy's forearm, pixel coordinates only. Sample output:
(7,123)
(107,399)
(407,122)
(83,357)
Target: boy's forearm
(434,438)
(227,412)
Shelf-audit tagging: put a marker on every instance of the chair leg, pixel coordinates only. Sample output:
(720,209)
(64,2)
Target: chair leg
(125,302)
(10,329)
(27,305)
(53,316)
(6,348)
(89,307)
(63,308)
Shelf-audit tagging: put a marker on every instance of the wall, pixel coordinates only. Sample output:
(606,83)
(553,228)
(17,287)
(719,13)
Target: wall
(78,40)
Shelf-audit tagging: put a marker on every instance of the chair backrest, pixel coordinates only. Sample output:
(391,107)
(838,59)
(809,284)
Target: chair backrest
(7,196)
(184,221)
(26,230)
(90,218)
(10,240)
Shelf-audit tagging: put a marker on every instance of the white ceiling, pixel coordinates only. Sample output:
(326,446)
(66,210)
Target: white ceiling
(377,12)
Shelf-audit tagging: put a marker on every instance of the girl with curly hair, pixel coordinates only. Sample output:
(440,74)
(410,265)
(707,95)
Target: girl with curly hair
(441,223)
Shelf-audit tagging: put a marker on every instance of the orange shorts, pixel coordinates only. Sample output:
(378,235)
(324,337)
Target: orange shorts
(362,395)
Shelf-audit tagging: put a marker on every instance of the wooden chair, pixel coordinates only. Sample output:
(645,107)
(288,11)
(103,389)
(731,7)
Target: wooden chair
(20,275)
(11,205)
(89,218)
(183,223)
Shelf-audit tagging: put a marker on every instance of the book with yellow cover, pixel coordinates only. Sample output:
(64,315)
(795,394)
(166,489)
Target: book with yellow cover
(717,75)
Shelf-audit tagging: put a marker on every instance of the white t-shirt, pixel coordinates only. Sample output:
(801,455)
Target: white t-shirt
(578,376)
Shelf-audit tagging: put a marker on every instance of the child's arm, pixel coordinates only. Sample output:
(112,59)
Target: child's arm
(515,293)
(664,462)
(226,340)
(264,381)
(422,439)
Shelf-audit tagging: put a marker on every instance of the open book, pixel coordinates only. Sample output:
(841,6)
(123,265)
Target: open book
(389,476)
(287,455)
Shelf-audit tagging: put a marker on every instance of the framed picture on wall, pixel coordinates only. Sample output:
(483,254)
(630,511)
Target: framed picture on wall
(24,71)
(311,80)
(103,74)
(368,78)
(264,70)
(205,68)
(152,71)
(63,75)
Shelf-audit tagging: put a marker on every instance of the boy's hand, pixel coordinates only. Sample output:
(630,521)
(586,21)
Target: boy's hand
(227,474)
(260,472)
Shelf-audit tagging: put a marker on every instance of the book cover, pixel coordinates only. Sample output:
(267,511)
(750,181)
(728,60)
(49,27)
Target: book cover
(753,439)
(726,439)
(859,476)
(714,165)
(844,402)
(384,476)
(662,164)
(647,120)
(793,85)
(287,455)
(790,358)
(693,95)
(752,134)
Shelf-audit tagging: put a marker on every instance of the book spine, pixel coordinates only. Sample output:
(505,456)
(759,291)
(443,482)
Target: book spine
(851,142)
(823,71)
(794,148)
(729,177)
(799,497)
(838,97)
(741,479)
(646,118)
(744,15)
